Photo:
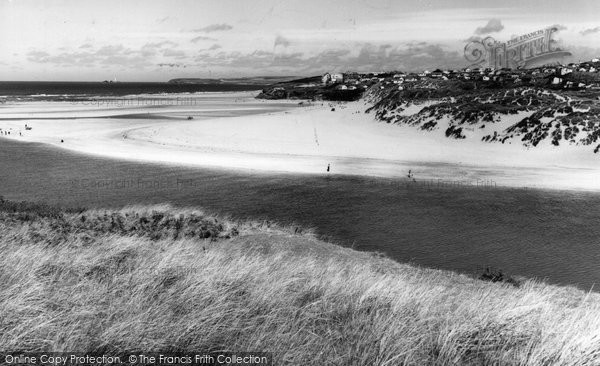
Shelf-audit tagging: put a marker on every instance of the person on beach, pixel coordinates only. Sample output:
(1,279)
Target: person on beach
(328,168)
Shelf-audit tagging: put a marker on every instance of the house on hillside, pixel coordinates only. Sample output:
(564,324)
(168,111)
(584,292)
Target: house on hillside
(328,78)
(337,78)
(565,70)
(437,73)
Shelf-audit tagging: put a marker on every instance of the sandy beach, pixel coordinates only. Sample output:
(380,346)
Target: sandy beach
(235,131)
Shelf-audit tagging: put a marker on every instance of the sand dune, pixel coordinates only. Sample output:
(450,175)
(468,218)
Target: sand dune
(298,140)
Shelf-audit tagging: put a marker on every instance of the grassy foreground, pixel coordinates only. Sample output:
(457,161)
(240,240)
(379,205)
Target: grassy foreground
(161,279)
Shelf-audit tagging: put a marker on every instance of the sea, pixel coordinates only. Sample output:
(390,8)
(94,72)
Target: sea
(71,91)
(549,235)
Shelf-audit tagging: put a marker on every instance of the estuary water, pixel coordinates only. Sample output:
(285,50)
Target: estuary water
(551,235)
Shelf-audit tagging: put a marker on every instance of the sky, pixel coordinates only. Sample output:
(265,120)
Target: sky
(157,40)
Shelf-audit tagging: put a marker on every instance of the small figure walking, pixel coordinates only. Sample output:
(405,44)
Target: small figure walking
(327,168)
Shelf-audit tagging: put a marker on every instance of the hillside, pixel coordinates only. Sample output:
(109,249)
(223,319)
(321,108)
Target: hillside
(503,113)
(310,88)
(165,279)
(548,105)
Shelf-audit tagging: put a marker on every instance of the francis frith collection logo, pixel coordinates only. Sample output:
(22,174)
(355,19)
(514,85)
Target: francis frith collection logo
(528,50)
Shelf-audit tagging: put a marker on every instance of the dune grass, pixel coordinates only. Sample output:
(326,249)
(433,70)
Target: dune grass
(152,279)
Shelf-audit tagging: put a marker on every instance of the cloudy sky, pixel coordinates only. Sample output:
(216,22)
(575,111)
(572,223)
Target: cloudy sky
(155,40)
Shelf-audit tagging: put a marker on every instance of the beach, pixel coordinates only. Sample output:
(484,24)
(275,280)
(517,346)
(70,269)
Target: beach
(237,132)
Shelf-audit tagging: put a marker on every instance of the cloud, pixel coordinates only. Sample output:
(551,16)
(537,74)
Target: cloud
(171,65)
(331,58)
(161,44)
(262,60)
(281,41)
(214,28)
(287,60)
(64,58)
(369,57)
(171,52)
(113,50)
(133,61)
(559,27)
(153,48)
(109,55)
(362,57)
(86,45)
(412,56)
(588,31)
(581,53)
(474,39)
(493,25)
(38,56)
(202,38)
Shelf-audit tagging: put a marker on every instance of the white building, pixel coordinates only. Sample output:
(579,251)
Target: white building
(337,78)
(328,78)
(565,71)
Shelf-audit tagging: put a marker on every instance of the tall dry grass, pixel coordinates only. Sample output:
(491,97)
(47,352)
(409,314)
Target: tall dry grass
(68,283)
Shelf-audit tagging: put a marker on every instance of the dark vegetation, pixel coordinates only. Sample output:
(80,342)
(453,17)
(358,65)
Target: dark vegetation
(311,89)
(559,116)
(153,224)
(88,281)
(491,274)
